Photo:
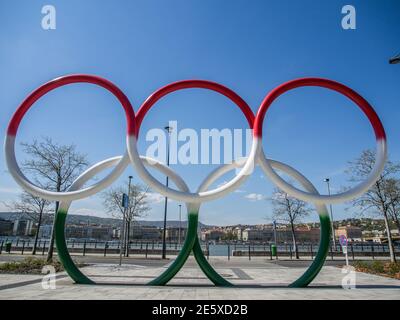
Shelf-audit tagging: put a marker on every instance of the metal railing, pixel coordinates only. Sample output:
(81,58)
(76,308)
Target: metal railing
(227,249)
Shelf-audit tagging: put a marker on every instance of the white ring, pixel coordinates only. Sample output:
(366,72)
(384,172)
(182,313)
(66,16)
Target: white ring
(189,197)
(381,154)
(27,185)
(110,162)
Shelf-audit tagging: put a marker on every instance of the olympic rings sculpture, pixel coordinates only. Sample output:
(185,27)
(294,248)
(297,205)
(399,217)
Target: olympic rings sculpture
(193,200)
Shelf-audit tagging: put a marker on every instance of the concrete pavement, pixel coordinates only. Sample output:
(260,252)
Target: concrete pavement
(260,279)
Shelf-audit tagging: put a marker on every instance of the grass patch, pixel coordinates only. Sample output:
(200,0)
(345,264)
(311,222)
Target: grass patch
(30,265)
(382,268)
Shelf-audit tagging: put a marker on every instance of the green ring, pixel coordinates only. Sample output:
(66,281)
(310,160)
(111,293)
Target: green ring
(180,260)
(191,244)
(62,250)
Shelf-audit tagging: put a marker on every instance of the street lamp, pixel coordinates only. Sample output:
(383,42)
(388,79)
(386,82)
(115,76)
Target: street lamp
(395,59)
(128,220)
(180,221)
(274,227)
(164,247)
(330,207)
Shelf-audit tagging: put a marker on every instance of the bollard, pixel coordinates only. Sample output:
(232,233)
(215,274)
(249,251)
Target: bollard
(8,246)
(274,251)
(105,248)
(84,247)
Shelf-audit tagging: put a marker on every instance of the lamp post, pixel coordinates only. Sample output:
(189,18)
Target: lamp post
(122,236)
(395,59)
(180,221)
(330,207)
(164,247)
(128,218)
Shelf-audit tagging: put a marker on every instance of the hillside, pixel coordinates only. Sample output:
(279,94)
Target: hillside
(85,219)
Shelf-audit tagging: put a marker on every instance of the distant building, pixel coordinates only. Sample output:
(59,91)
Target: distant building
(350,232)
(172,234)
(45,231)
(283,235)
(100,232)
(116,233)
(80,232)
(380,236)
(76,231)
(307,234)
(212,234)
(258,234)
(6,227)
(22,227)
(145,232)
(238,232)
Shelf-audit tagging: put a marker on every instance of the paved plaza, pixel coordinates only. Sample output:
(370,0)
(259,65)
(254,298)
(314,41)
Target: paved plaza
(256,279)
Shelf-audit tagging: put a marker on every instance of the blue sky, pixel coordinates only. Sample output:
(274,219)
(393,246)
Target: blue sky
(249,46)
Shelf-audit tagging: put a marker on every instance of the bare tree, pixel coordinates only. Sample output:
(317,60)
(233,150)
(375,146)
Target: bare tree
(289,210)
(392,188)
(37,209)
(55,166)
(137,207)
(378,198)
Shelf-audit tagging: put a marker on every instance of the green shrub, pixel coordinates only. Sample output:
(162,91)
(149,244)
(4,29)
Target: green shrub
(28,265)
(361,265)
(393,268)
(385,268)
(378,266)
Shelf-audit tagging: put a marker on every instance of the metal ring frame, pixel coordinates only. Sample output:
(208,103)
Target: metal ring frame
(193,200)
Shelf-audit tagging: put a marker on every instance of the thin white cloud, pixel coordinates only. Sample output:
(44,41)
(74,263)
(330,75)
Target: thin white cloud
(3,207)
(9,190)
(255,196)
(87,212)
(155,197)
(222,183)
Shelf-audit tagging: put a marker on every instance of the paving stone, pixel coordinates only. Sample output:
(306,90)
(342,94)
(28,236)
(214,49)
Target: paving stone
(190,283)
